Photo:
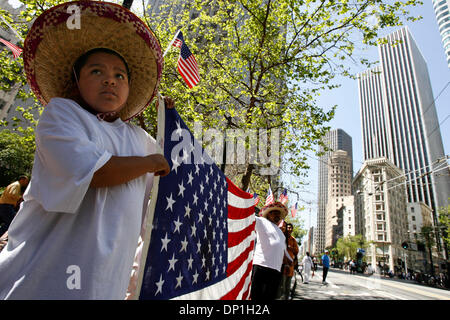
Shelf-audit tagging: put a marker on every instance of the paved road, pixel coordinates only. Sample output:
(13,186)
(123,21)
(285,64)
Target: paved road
(344,286)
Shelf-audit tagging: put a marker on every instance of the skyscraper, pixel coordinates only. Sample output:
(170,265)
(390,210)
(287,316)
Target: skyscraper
(441,8)
(336,139)
(399,120)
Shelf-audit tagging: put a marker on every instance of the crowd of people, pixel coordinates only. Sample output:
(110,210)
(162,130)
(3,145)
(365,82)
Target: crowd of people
(276,256)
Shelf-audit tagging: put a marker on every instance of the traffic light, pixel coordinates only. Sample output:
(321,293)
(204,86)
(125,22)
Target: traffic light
(405,245)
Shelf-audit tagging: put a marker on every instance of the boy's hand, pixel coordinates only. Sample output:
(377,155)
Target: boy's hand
(160,165)
(169,103)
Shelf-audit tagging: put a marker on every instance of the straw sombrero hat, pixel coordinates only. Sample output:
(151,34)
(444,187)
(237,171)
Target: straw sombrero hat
(52,47)
(272,207)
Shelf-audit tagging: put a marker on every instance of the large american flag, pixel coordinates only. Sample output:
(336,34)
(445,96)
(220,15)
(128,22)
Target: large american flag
(202,240)
(187,65)
(16,51)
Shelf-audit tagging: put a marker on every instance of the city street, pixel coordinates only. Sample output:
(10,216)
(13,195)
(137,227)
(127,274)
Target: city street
(344,286)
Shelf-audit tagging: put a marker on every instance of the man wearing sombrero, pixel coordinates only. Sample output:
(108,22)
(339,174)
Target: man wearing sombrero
(76,234)
(269,252)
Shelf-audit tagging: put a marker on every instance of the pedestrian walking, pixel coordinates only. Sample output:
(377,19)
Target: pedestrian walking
(269,252)
(325,266)
(307,266)
(352,267)
(76,234)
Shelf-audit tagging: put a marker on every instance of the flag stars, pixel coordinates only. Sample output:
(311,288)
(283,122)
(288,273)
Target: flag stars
(179,130)
(170,203)
(165,241)
(203,262)
(200,217)
(193,230)
(190,178)
(175,165)
(195,277)
(172,263)
(184,244)
(159,285)
(195,198)
(178,224)
(187,211)
(190,260)
(181,189)
(179,279)
(185,157)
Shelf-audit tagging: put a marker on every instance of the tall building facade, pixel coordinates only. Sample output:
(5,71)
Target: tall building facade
(339,189)
(399,120)
(336,139)
(381,211)
(442,11)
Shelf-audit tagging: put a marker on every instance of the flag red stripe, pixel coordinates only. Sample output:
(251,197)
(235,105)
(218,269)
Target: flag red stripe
(232,294)
(234,238)
(239,213)
(246,294)
(236,263)
(185,77)
(189,71)
(192,64)
(237,191)
(186,74)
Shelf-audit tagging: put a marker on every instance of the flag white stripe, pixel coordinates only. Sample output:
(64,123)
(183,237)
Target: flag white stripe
(240,224)
(235,251)
(238,202)
(192,65)
(188,71)
(219,289)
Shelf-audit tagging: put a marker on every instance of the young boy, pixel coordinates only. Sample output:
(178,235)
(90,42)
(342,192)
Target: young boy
(77,232)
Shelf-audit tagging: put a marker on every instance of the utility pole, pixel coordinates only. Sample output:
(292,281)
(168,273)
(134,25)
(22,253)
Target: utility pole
(127,4)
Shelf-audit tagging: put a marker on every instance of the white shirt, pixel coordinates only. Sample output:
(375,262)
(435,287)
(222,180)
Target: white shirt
(70,241)
(270,244)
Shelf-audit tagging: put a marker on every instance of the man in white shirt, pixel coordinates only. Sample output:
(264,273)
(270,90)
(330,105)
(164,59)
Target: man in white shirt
(269,251)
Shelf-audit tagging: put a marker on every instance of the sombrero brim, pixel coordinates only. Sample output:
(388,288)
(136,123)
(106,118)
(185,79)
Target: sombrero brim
(275,206)
(53,45)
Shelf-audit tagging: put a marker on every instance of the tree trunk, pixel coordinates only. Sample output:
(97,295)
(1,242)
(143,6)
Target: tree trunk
(245,181)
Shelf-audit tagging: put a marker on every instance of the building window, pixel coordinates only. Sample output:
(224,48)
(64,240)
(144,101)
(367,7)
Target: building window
(413,218)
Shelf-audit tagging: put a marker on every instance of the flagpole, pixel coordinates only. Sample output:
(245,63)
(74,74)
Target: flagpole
(15,32)
(152,203)
(171,42)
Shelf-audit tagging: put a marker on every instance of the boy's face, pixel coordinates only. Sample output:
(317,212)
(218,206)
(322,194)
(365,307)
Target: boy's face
(103,82)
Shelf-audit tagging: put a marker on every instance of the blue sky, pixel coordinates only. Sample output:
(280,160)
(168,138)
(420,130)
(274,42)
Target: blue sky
(426,34)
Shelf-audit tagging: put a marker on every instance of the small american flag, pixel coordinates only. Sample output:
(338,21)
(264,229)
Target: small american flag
(187,65)
(202,241)
(269,198)
(255,196)
(294,210)
(283,197)
(15,49)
